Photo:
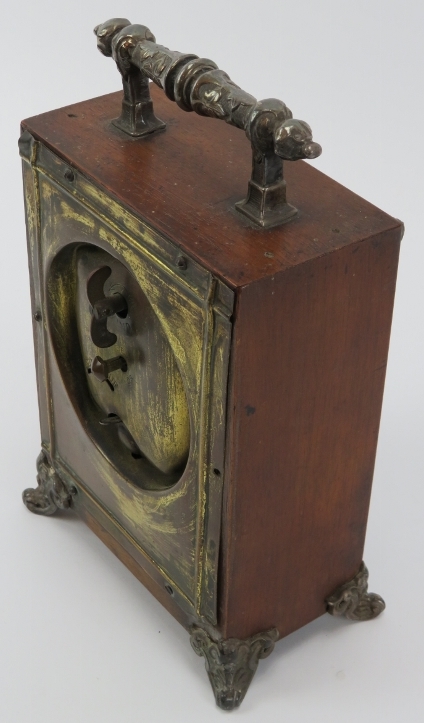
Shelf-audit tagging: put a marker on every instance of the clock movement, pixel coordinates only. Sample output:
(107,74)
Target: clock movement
(210,350)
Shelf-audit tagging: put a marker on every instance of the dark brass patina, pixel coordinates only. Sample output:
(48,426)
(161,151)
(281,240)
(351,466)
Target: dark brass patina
(232,663)
(197,84)
(101,368)
(103,308)
(152,444)
(52,492)
(354,601)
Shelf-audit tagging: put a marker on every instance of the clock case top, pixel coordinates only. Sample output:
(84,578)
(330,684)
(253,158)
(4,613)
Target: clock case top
(184,183)
(311,326)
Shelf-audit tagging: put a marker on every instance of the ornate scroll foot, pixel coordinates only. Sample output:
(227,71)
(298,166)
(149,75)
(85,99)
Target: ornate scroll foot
(353,601)
(231,664)
(51,494)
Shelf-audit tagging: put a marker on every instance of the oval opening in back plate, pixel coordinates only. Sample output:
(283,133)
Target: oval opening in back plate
(118,367)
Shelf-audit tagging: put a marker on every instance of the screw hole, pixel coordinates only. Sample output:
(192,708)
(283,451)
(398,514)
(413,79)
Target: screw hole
(72,115)
(217,472)
(136,455)
(182,263)
(89,372)
(37,316)
(169,590)
(69,175)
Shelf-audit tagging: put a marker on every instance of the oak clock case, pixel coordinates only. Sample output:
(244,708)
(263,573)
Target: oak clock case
(210,368)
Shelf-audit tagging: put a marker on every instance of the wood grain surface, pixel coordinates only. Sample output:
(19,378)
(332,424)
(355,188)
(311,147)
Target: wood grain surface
(185,181)
(309,359)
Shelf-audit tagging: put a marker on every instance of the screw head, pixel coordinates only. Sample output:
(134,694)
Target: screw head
(69,175)
(37,315)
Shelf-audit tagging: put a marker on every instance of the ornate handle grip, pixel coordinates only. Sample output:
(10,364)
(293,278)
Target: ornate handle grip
(197,84)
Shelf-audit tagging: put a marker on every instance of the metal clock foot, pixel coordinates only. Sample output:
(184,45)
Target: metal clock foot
(354,601)
(52,493)
(231,664)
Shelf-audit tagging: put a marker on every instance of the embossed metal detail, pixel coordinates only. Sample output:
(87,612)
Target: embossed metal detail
(354,601)
(231,664)
(197,84)
(52,493)
(137,117)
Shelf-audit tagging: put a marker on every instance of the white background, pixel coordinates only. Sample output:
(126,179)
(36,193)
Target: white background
(81,640)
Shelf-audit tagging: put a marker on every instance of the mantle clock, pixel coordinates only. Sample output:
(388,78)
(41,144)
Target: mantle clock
(210,350)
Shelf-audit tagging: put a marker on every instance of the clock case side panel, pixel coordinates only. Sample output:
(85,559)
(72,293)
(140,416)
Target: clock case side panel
(308,365)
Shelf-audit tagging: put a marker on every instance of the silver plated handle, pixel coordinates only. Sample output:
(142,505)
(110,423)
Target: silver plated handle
(197,84)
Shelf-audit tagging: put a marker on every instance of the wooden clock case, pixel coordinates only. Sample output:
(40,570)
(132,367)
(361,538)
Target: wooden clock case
(229,466)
